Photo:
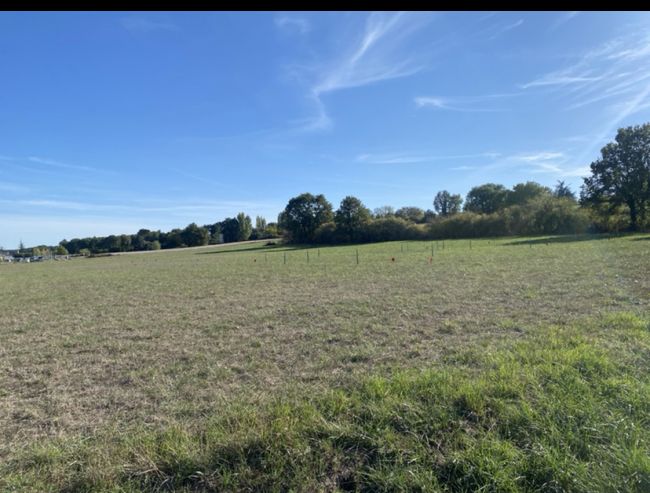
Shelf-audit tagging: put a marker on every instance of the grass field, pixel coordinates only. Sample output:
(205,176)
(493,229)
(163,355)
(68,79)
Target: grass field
(500,365)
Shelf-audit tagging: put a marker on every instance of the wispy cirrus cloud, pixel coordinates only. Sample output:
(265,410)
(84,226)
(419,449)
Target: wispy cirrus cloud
(41,164)
(58,164)
(479,104)
(377,55)
(563,19)
(615,75)
(143,25)
(405,158)
(558,163)
(540,156)
(561,78)
(498,28)
(617,68)
(290,23)
(133,208)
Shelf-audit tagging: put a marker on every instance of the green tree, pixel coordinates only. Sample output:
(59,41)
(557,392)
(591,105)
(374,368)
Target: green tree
(244,227)
(447,204)
(486,199)
(304,214)
(230,229)
(60,250)
(563,191)
(384,211)
(350,217)
(622,174)
(413,214)
(194,235)
(525,192)
(260,223)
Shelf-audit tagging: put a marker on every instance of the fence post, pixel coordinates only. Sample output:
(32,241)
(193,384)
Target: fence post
(357,256)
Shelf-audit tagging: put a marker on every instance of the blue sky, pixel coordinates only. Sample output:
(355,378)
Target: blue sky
(110,122)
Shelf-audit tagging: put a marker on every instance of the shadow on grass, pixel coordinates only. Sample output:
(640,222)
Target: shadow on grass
(568,239)
(269,248)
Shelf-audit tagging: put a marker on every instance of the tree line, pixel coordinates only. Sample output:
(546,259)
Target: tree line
(231,229)
(489,210)
(614,198)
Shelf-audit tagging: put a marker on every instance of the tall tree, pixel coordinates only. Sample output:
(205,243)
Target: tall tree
(486,199)
(260,224)
(350,216)
(303,214)
(230,229)
(245,227)
(194,235)
(447,204)
(563,191)
(622,174)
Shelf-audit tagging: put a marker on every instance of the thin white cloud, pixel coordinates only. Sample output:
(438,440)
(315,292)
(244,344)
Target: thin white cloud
(495,30)
(13,187)
(303,26)
(506,28)
(58,164)
(415,158)
(563,19)
(377,55)
(559,79)
(140,24)
(464,168)
(89,207)
(540,156)
(471,105)
(553,162)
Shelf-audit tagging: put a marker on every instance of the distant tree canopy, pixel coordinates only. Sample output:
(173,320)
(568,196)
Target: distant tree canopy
(228,230)
(245,227)
(622,175)
(304,214)
(194,235)
(525,192)
(413,214)
(351,216)
(535,210)
(447,204)
(563,191)
(384,211)
(486,199)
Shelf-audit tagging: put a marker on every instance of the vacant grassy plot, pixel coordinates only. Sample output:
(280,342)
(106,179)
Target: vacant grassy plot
(276,368)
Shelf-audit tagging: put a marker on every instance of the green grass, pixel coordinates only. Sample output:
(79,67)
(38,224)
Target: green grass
(504,367)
